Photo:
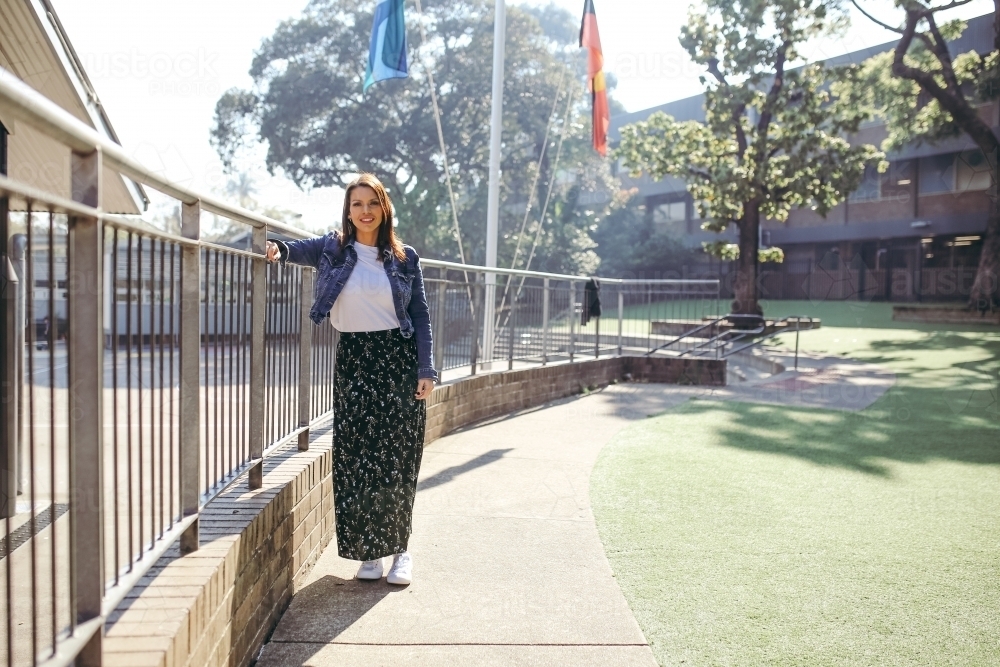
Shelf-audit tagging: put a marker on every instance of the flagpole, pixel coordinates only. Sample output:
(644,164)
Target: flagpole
(493,201)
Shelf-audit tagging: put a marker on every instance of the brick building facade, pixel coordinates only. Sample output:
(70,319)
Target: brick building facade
(912,233)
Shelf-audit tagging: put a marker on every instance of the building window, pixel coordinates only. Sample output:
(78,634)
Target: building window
(675,211)
(972,171)
(956,172)
(897,180)
(937,174)
(895,183)
(870,188)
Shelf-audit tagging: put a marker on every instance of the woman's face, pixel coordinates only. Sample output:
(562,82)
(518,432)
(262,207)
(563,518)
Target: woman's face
(365,209)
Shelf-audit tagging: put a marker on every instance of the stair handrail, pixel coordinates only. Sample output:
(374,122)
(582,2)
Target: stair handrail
(798,321)
(687,334)
(726,337)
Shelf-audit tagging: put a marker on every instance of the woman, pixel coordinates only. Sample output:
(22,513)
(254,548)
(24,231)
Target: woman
(370,287)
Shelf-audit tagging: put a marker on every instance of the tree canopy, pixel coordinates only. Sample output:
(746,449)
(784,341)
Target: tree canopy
(306,106)
(774,138)
(924,92)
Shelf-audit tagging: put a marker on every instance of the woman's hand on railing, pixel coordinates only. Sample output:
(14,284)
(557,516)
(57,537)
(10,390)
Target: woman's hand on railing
(424,388)
(272,251)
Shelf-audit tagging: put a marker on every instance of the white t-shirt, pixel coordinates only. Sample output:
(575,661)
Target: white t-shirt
(365,303)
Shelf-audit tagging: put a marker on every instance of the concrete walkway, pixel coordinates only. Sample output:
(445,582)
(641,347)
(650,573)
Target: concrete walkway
(509,569)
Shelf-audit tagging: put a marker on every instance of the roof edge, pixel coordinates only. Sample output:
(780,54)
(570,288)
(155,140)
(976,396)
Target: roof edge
(60,42)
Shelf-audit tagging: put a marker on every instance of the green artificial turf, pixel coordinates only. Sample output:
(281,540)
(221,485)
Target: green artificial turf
(746,534)
(867,314)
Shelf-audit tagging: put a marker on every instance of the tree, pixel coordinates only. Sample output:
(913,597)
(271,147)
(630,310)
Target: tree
(242,187)
(773,138)
(925,93)
(307,107)
(630,246)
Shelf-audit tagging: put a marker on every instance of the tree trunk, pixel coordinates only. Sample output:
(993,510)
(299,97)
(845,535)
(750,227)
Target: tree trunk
(745,287)
(985,294)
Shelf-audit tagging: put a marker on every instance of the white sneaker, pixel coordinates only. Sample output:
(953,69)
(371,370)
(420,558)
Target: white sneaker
(370,569)
(401,572)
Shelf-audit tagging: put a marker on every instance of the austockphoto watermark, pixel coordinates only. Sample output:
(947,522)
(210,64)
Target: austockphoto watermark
(186,74)
(197,65)
(654,65)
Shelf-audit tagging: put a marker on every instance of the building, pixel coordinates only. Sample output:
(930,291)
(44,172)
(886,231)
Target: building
(35,48)
(911,233)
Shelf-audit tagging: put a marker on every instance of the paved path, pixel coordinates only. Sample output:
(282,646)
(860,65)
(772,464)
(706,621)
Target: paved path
(509,569)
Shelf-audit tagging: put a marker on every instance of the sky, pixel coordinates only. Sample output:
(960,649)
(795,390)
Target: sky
(159,68)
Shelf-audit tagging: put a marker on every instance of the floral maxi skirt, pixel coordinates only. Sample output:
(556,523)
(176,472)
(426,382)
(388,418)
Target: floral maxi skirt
(378,442)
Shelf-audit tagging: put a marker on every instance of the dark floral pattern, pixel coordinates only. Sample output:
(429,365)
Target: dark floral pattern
(378,442)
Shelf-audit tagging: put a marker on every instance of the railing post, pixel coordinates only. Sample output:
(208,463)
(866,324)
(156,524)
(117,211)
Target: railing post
(489,307)
(10,375)
(258,298)
(545,321)
(305,358)
(621,314)
(189,416)
(511,325)
(597,336)
(477,315)
(86,382)
(798,320)
(439,321)
(649,317)
(20,286)
(572,319)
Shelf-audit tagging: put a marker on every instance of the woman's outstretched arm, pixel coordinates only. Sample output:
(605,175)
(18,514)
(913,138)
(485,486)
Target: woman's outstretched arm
(306,252)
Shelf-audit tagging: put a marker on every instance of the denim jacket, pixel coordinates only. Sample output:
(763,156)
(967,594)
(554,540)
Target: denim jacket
(334,262)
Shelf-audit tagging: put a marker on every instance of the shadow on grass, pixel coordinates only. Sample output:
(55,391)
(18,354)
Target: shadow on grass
(906,425)
(940,340)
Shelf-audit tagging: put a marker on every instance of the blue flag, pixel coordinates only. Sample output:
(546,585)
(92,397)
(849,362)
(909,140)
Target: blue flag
(387,53)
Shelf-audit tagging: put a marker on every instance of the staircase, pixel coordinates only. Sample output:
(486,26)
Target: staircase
(725,336)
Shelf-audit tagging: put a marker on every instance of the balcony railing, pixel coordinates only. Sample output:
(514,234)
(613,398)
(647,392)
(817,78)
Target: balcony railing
(145,372)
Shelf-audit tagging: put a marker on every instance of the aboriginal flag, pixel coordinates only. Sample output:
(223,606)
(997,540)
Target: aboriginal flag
(590,39)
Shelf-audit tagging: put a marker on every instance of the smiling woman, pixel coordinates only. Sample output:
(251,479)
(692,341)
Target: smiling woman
(370,287)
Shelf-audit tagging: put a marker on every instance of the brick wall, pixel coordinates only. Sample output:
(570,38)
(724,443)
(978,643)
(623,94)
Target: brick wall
(217,606)
(470,400)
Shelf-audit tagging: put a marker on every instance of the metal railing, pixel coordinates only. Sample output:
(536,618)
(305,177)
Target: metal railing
(725,336)
(538,316)
(145,372)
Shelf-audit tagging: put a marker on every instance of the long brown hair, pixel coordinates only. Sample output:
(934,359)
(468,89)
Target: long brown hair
(386,234)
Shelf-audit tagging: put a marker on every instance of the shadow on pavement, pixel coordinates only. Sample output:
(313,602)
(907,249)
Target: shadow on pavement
(451,473)
(327,607)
